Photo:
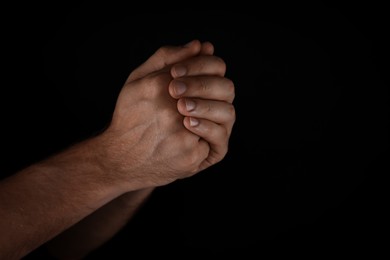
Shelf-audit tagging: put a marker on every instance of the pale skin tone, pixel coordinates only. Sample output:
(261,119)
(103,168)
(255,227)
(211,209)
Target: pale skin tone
(157,135)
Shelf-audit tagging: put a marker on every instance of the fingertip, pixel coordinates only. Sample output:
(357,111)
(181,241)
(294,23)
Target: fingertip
(178,71)
(186,122)
(207,48)
(188,44)
(193,122)
(171,90)
(181,106)
(194,45)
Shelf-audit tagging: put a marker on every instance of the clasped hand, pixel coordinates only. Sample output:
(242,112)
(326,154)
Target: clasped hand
(173,117)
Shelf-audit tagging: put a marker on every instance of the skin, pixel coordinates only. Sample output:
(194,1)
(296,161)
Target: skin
(153,140)
(89,234)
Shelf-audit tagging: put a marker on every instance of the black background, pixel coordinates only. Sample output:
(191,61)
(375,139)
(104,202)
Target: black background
(306,155)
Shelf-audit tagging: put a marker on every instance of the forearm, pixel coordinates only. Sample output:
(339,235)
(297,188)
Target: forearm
(43,200)
(98,228)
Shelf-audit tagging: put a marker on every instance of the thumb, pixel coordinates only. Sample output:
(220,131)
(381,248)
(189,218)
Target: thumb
(165,56)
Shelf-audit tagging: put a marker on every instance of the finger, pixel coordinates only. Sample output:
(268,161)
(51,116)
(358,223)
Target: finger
(214,134)
(204,87)
(164,57)
(203,151)
(204,146)
(200,152)
(207,48)
(199,65)
(219,112)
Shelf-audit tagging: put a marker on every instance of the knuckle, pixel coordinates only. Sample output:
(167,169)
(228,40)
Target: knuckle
(202,64)
(218,156)
(150,81)
(204,87)
(222,153)
(224,134)
(231,89)
(192,158)
(193,155)
(230,86)
(163,51)
(157,79)
(218,135)
(188,141)
(207,108)
(151,84)
(221,63)
(232,112)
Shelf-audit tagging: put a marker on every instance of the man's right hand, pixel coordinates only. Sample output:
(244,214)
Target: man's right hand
(146,143)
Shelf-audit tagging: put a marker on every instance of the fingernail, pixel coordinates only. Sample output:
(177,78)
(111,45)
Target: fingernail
(190,105)
(180,70)
(180,87)
(194,121)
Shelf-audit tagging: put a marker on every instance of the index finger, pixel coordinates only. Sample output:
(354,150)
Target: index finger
(200,65)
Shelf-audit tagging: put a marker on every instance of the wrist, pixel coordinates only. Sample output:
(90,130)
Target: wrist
(116,166)
(100,156)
